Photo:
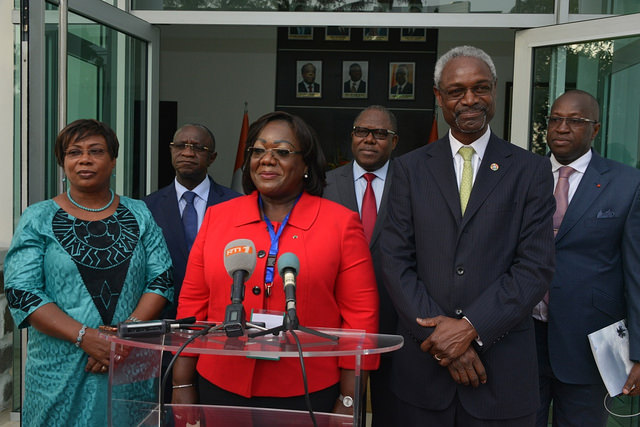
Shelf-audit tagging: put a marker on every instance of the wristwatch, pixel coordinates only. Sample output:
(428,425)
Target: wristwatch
(347,401)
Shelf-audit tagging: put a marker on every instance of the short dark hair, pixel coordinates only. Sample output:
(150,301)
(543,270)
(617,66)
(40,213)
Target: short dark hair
(591,100)
(201,127)
(312,154)
(82,129)
(382,109)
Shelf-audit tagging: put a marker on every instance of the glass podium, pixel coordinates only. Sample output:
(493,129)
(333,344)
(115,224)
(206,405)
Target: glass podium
(134,381)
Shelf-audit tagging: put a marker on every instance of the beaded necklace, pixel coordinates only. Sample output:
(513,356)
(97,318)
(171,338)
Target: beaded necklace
(90,209)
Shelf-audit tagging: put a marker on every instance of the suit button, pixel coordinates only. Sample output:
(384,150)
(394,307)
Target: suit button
(261,254)
(458,311)
(256,290)
(460,271)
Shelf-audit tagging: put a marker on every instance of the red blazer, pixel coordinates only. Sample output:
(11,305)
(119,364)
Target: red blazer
(335,288)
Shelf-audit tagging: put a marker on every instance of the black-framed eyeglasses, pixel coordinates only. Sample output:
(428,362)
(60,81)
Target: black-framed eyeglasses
(362,132)
(572,122)
(460,92)
(196,148)
(278,153)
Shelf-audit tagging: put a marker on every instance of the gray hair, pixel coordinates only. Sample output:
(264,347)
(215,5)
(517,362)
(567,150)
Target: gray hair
(468,51)
(382,109)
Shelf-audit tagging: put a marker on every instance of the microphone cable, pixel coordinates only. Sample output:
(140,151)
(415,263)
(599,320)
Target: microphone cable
(204,331)
(307,398)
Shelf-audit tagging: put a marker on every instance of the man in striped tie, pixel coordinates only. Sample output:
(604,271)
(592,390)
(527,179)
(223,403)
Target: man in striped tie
(597,278)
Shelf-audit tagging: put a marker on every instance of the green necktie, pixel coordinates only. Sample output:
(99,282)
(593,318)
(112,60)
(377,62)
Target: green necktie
(467,176)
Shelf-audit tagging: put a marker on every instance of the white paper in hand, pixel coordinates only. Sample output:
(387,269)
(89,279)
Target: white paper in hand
(610,347)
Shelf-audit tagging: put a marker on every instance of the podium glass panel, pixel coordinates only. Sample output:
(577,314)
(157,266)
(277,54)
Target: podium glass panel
(134,381)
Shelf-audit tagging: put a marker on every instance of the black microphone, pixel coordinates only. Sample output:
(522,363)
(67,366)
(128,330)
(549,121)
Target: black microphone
(151,328)
(239,261)
(288,268)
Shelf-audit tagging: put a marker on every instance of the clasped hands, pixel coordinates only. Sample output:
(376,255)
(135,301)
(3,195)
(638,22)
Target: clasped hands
(450,345)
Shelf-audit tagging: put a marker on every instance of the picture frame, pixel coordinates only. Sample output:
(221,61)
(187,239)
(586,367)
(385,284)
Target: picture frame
(376,34)
(358,88)
(336,33)
(413,34)
(300,33)
(309,79)
(401,81)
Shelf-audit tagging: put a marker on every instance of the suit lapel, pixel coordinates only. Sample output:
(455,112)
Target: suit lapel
(346,188)
(592,184)
(497,155)
(440,166)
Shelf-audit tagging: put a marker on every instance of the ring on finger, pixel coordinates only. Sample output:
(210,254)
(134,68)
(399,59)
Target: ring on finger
(435,356)
(103,369)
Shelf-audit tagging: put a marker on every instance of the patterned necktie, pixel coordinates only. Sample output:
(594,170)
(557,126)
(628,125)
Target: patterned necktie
(189,219)
(369,210)
(562,196)
(467,176)
(354,87)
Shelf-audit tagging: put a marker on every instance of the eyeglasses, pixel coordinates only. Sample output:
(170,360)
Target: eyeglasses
(460,92)
(572,122)
(75,153)
(196,148)
(278,153)
(361,132)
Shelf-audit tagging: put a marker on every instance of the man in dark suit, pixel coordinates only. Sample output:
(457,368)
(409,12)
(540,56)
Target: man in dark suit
(373,137)
(193,150)
(308,83)
(597,278)
(468,250)
(402,86)
(355,84)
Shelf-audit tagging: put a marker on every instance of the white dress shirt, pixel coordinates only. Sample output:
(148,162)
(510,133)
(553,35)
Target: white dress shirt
(199,202)
(479,145)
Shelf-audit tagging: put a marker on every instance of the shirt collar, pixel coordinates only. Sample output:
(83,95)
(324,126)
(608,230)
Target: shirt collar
(381,173)
(580,164)
(202,189)
(479,145)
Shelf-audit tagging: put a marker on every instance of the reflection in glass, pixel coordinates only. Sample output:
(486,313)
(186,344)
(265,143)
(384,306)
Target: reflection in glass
(614,7)
(430,6)
(609,70)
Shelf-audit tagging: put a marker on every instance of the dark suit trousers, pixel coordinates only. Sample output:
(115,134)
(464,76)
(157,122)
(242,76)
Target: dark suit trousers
(453,416)
(580,405)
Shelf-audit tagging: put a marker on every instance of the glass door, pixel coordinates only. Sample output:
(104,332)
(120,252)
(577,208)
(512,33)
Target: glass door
(602,57)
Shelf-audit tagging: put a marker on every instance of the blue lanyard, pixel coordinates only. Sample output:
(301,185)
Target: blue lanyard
(275,239)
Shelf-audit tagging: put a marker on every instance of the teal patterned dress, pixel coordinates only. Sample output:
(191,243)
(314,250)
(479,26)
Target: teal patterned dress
(94,271)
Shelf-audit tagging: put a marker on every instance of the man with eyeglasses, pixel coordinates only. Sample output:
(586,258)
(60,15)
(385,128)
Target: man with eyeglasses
(363,186)
(597,278)
(179,207)
(468,251)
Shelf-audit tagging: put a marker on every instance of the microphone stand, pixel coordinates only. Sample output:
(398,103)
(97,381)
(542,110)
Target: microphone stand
(290,323)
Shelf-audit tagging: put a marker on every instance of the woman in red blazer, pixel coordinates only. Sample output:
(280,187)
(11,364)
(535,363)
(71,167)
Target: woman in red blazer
(283,177)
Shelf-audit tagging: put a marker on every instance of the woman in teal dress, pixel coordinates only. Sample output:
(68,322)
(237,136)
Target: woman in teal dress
(83,259)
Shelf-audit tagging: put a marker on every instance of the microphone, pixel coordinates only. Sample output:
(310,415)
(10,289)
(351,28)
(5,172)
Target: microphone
(288,268)
(151,328)
(239,261)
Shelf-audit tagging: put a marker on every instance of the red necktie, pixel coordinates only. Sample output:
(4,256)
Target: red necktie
(310,88)
(369,210)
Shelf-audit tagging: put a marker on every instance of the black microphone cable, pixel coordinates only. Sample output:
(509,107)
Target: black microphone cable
(307,398)
(204,331)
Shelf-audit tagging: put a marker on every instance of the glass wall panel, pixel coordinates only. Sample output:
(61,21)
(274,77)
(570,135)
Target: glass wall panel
(609,70)
(107,81)
(613,7)
(427,6)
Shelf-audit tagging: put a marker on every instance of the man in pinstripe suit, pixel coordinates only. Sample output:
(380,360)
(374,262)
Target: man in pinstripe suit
(468,249)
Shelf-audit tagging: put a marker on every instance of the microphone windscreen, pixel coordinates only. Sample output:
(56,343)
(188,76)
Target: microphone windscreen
(240,254)
(288,260)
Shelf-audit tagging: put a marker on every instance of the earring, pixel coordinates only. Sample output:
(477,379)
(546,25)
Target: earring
(64,178)
(306,175)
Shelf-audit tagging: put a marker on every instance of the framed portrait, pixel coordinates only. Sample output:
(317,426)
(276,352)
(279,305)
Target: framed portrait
(401,79)
(414,34)
(376,34)
(309,80)
(300,33)
(355,75)
(337,33)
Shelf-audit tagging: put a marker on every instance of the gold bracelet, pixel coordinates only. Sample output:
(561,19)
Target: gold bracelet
(182,386)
